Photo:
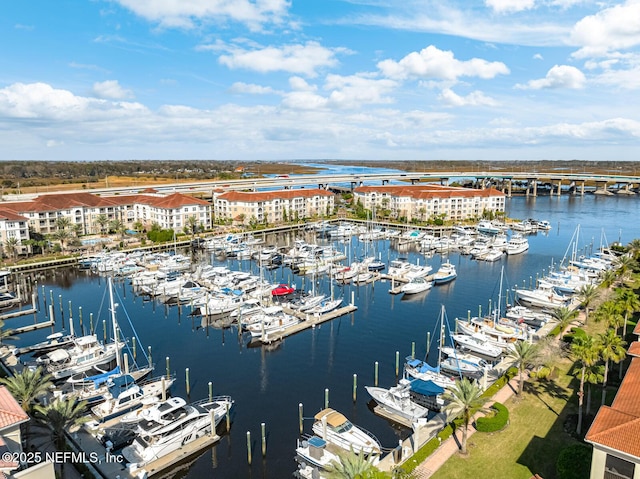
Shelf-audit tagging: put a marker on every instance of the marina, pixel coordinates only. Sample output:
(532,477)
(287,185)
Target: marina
(312,362)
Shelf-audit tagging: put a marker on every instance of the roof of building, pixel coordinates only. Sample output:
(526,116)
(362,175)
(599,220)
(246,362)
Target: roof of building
(636,330)
(618,426)
(634,349)
(253,196)
(65,201)
(8,215)
(428,191)
(10,411)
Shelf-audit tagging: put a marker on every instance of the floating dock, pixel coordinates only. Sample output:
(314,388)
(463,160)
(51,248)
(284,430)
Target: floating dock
(306,321)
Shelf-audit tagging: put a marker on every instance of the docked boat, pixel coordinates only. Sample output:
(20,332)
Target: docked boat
(172,424)
(528,316)
(497,332)
(416,285)
(446,273)
(325,306)
(270,321)
(542,297)
(125,395)
(282,290)
(478,344)
(488,227)
(456,365)
(53,341)
(421,370)
(397,400)
(313,456)
(517,244)
(336,429)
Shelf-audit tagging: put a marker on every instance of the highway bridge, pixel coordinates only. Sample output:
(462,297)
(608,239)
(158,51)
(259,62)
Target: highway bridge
(528,182)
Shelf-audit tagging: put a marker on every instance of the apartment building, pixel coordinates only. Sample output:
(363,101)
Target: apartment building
(83,209)
(272,206)
(427,201)
(13,225)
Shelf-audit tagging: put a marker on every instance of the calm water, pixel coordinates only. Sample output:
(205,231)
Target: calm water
(268,384)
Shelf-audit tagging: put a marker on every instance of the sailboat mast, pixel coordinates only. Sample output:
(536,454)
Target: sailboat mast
(500,293)
(114,322)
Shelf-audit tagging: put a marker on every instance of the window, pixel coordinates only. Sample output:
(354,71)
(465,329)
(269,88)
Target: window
(616,468)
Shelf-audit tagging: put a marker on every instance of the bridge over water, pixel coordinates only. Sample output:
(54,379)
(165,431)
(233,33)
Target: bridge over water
(508,182)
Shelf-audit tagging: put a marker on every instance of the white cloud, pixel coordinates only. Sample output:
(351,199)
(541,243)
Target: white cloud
(299,59)
(475,98)
(251,88)
(558,76)
(304,100)
(432,63)
(111,90)
(355,90)
(190,13)
(300,84)
(611,29)
(54,143)
(538,56)
(509,6)
(41,101)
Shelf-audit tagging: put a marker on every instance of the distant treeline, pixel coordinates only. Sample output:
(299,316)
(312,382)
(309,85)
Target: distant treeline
(36,173)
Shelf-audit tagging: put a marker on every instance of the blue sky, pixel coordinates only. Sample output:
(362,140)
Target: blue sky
(315,79)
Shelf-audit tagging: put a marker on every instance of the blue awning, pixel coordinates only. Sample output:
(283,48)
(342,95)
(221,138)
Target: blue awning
(426,388)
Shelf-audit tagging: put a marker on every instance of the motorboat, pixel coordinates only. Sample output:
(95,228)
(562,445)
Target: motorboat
(457,366)
(501,333)
(124,395)
(397,400)
(477,343)
(172,424)
(523,314)
(421,370)
(271,320)
(282,290)
(517,244)
(325,306)
(416,285)
(446,273)
(488,227)
(53,341)
(312,454)
(491,255)
(542,297)
(336,429)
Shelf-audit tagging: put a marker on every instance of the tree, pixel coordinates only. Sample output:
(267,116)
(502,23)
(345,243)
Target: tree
(629,304)
(27,386)
(624,265)
(610,312)
(101,220)
(464,400)
(522,355)
(351,466)
(607,278)
(60,415)
(192,225)
(612,349)
(594,374)
(63,223)
(564,316)
(587,294)
(587,352)
(11,245)
(6,334)
(61,235)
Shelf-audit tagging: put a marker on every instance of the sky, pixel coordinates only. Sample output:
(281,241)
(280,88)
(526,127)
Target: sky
(387,80)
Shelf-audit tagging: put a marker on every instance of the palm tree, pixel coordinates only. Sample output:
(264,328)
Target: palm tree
(11,245)
(465,399)
(522,355)
(634,247)
(587,352)
(60,415)
(629,304)
(27,386)
(564,316)
(192,225)
(101,220)
(63,223)
(587,294)
(612,349)
(624,264)
(61,235)
(610,312)
(6,334)
(351,466)
(608,278)
(594,374)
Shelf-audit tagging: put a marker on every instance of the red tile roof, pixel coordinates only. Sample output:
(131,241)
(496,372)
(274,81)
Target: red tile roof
(9,215)
(10,411)
(250,197)
(618,426)
(634,349)
(636,330)
(428,191)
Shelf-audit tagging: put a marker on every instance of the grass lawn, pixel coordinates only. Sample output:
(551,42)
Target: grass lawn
(532,441)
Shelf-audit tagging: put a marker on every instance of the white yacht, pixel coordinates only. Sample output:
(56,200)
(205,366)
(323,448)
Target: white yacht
(477,343)
(397,400)
(171,425)
(446,273)
(335,428)
(416,285)
(517,244)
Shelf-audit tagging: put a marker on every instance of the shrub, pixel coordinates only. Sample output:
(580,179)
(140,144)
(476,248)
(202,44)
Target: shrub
(495,422)
(574,462)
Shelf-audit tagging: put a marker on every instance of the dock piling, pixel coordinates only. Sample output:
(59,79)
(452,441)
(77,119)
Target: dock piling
(228,417)
(135,349)
(300,417)
(168,368)
(326,398)
(125,360)
(355,386)
(188,386)
(249,447)
(263,434)
(164,389)
(413,349)
(428,341)
(150,359)
(210,391)
(375,374)
(397,362)
(80,319)
(91,323)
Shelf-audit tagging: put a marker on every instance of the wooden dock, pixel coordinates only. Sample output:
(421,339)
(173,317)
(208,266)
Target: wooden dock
(33,327)
(182,454)
(306,321)
(382,412)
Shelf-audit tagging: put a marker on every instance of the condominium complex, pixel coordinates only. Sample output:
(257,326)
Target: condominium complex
(427,201)
(82,210)
(272,206)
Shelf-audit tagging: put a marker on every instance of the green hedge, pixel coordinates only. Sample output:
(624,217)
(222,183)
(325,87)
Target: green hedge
(574,462)
(495,422)
(500,382)
(428,449)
